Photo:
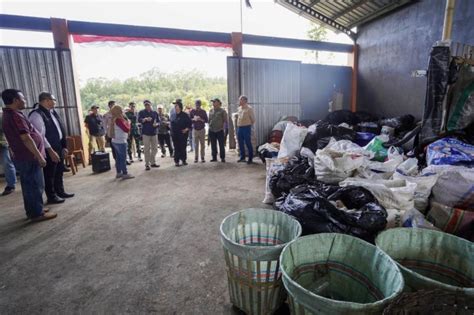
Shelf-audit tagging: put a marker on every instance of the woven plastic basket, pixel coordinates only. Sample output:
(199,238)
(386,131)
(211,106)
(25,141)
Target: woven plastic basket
(333,273)
(431,259)
(253,240)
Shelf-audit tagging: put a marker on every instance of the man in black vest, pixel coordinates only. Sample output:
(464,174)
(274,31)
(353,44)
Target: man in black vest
(47,121)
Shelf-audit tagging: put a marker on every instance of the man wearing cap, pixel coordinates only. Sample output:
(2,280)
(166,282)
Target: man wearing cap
(217,120)
(164,132)
(95,125)
(199,119)
(134,133)
(150,122)
(180,128)
(245,120)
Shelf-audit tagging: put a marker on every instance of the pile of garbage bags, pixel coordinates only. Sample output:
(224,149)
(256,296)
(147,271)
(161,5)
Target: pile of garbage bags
(334,178)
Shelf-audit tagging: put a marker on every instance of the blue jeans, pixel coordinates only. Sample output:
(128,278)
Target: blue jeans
(8,167)
(32,187)
(244,137)
(120,157)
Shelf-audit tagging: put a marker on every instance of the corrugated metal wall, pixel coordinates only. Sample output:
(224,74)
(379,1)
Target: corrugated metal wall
(34,70)
(272,87)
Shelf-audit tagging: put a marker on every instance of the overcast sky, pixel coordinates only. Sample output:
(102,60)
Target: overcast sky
(265,18)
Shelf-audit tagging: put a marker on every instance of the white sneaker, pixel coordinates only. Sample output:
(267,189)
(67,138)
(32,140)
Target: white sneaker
(127,176)
(119,175)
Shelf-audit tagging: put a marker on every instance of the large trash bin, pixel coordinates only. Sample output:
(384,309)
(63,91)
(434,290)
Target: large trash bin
(334,273)
(430,259)
(253,240)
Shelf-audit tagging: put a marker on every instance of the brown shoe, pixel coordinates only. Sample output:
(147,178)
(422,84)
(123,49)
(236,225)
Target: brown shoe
(44,217)
(45,210)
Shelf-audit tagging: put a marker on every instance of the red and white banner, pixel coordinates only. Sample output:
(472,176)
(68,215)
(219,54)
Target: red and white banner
(118,41)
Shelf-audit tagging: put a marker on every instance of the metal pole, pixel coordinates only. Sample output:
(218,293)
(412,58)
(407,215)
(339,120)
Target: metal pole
(448,20)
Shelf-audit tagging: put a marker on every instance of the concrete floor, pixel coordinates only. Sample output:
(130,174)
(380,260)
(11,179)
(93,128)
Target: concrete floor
(146,245)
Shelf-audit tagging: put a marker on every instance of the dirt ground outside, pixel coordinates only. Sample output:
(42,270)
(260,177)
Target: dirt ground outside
(146,245)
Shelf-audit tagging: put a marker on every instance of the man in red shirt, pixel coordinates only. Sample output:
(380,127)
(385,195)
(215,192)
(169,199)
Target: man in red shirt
(28,150)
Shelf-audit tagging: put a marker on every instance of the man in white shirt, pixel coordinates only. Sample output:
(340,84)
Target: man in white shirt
(45,119)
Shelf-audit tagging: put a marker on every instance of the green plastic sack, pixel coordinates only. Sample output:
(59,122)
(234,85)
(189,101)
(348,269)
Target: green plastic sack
(253,240)
(332,273)
(430,259)
(376,146)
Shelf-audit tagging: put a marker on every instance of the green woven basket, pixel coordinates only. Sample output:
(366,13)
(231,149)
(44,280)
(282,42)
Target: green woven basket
(253,240)
(334,273)
(431,259)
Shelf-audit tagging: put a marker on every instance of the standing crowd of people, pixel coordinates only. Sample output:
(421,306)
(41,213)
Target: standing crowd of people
(36,147)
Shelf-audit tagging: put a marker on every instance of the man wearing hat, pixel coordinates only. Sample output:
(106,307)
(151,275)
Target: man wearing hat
(199,119)
(95,125)
(180,127)
(217,120)
(150,121)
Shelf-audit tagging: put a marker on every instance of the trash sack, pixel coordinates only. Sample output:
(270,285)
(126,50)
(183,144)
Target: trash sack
(363,116)
(459,222)
(320,133)
(341,116)
(376,146)
(461,111)
(371,127)
(268,151)
(415,219)
(392,194)
(281,126)
(394,218)
(455,188)
(394,158)
(298,171)
(408,171)
(363,138)
(348,210)
(293,138)
(273,166)
(339,160)
(400,123)
(437,86)
(450,151)
(307,153)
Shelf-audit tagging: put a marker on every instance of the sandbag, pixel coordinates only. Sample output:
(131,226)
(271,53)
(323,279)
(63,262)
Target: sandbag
(450,151)
(293,138)
(455,188)
(459,222)
(392,194)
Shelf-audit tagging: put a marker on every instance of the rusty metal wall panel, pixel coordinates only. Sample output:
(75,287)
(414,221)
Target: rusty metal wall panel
(33,70)
(272,88)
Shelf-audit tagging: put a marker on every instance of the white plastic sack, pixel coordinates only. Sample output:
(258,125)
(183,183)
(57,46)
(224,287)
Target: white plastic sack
(424,183)
(292,140)
(392,194)
(338,160)
(455,187)
(381,170)
(394,218)
(273,166)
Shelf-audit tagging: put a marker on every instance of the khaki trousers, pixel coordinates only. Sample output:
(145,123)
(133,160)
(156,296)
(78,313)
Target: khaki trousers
(99,140)
(199,137)
(150,146)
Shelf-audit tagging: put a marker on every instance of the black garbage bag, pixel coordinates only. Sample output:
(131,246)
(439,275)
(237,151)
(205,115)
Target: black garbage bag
(341,116)
(320,133)
(363,116)
(297,172)
(400,124)
(350,210)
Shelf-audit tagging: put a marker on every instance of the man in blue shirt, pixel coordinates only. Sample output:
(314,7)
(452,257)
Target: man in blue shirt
(150,122)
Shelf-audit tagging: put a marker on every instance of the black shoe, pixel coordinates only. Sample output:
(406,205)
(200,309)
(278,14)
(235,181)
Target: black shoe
(147,168)
(163,155)
(65,195)
(241,160)
(66,169)
(250,162)
(195,161)
(140,159)
(154,165)
(203,161)
(8,190)
(177,164)
(55,200)
(185,163)
(131,161)
(223,160)
(128,163)
(214,160)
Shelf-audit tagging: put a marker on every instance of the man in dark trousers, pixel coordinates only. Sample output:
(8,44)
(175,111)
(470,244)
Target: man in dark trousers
(217,121)
(134,134)
(47,121)
(180,128)
(27,146)
(164,132)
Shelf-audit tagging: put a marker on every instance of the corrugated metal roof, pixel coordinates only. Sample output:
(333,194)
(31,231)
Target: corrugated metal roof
(342,16)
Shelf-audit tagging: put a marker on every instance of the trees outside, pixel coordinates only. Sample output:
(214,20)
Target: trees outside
(319,33)
(158,87)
